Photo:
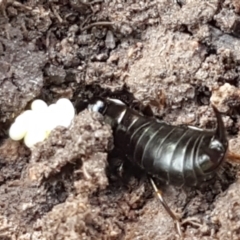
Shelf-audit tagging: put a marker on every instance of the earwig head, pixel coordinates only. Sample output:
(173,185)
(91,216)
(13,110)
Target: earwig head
(113,110)
(97,105)
(218,146)
(100,105)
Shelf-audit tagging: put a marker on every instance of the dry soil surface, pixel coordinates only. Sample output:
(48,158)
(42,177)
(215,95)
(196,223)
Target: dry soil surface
(175,56)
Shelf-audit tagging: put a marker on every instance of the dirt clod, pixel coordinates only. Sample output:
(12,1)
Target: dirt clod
(178,57)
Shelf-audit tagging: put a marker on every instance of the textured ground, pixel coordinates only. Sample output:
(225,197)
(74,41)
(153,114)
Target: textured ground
(175,57)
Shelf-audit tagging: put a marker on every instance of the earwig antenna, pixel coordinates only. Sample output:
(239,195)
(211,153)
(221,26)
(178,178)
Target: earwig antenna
(167,208)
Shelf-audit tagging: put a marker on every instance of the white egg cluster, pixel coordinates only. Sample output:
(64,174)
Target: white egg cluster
(36,124)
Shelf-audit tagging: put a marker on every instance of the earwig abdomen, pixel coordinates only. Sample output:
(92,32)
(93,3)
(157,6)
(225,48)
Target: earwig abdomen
(179,155)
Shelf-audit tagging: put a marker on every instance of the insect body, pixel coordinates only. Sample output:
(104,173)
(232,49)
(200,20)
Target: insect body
(179,155)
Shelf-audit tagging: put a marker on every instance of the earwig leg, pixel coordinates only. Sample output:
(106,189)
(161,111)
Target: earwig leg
(167,208)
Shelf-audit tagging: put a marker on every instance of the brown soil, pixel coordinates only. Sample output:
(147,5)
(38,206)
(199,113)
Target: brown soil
(175,56)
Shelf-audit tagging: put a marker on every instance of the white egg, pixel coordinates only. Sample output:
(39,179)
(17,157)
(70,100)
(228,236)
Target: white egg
(38,120)
(17,131)
(66,107)
(38,105)
(20,127)
(25,116)
(35,135)
(51,123)
(52,106)
(36,131)
(35,125)
(64,121)
(63,102)
(51,117)
(66,112)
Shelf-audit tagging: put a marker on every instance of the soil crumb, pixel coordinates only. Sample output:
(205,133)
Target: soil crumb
(178,57)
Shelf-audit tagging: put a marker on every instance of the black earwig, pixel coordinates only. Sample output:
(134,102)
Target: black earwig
(178,155)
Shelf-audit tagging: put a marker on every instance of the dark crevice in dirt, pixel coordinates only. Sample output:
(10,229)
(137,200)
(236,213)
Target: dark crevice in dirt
(59,186)
(10,172)
(169,55)
(234,81)
(184,29)
(202,95)
(180,3)
(210,50)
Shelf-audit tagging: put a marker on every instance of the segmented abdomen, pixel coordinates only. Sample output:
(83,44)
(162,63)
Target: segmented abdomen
(180,155)
(171,153)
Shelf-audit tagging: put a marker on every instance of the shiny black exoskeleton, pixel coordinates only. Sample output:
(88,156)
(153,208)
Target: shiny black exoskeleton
(178,155)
